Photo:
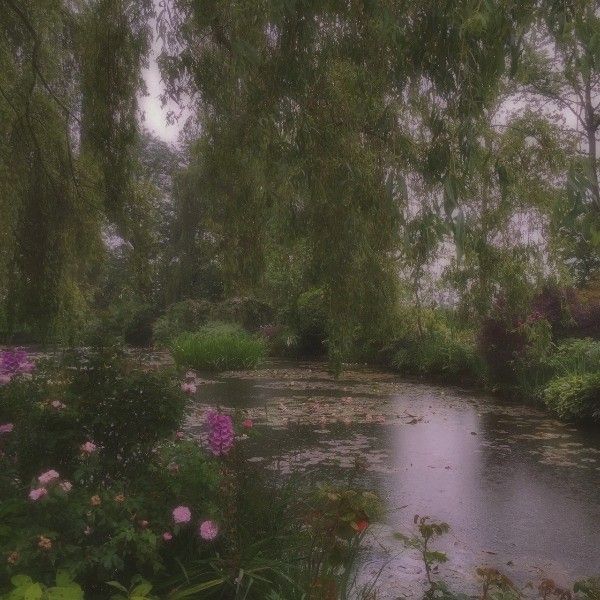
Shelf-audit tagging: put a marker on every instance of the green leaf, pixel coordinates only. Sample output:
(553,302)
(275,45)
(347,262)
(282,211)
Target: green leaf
(33,592)
(143,589)
(21,580)
(63,578)
(117,586)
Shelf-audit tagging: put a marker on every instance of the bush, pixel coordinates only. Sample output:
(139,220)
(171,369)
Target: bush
(575,356)
(219,347)
(183,522)
(445,355)
(128,320)
(90,396)
(181,317)
(90,472)
(574,396)
(249,312)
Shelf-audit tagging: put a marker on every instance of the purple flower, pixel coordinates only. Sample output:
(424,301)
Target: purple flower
(14,362)
(182,514)
(48,477)
(6,428)
(220,432)
(208,530)
(37,493)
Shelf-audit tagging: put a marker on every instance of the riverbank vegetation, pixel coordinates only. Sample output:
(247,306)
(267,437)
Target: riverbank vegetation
(101,494)
(436,211)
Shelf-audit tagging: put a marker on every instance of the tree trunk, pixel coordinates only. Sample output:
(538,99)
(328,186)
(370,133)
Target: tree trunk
(591,127)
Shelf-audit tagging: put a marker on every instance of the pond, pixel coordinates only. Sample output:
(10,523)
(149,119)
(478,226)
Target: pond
(520,490)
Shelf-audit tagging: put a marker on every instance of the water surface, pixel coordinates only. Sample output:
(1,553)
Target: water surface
(520,489)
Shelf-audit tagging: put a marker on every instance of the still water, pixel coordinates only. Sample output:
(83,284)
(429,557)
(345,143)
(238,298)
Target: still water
(520,490)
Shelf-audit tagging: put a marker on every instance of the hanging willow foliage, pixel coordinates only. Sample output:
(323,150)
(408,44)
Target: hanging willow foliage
(68,101)
(301,106)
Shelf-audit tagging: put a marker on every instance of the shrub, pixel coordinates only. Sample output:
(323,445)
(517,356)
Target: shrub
(443,354)
(181,317)
(219,347)
(575,356)
(251,313)
(574,396)
(92,395)
(128,320)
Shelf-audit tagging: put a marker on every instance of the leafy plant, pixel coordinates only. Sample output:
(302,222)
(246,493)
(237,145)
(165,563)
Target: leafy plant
(139,589)
(575,396)
(428,532)
(25,588)
(219,347)
(181,317)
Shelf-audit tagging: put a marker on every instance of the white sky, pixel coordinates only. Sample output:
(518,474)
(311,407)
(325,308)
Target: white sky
(154,114)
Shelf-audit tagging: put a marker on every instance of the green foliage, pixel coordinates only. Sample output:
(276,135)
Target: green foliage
(181,317)
(574,396)
(590,588)
(428,532)
(445,354)
(575,356)
(92,396)
(218,347)
(138,590)
(27,589)
(496,586)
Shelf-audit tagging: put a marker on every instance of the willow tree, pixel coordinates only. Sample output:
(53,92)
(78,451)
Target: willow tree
(561,71)
(301,105)
(67,102)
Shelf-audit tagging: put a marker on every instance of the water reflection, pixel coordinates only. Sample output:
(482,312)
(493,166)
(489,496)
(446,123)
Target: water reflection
(519,489)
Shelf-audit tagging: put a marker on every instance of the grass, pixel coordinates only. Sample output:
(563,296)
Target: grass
(219,347)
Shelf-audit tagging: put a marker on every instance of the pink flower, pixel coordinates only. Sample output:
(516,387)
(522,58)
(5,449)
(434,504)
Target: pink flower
(89,448)
(167,536)
(182,514)
(208,530)
(189,388)
(247,424)
(5,378)
(220,432)
(66,486)
(179,435)
(37,493)
(57,404)
(6,428)
(48,477)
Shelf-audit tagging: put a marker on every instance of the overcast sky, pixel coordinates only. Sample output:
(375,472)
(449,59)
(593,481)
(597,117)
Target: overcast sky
(155,116)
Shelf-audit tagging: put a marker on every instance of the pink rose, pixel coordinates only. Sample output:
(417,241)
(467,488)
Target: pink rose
(48,477)
(167,536)
(57,404)
(247,424)
(182,514)
(208,530)
(89,448)
(189,388)
(6,428)
(37,493)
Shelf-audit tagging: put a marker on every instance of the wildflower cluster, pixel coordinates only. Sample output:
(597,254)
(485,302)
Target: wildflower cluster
(13,363)
(45,482)
(220,433)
